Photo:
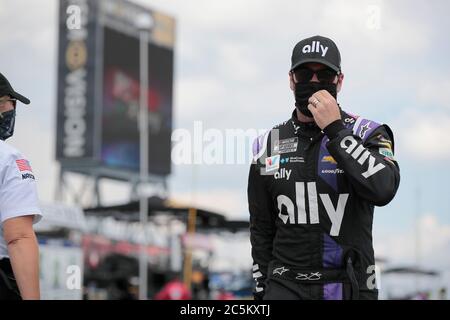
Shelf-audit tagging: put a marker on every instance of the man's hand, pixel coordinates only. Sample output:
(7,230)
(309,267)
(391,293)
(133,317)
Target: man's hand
(324,108)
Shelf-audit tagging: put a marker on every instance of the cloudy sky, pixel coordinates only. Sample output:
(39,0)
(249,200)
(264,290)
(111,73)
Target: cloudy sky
(232,59)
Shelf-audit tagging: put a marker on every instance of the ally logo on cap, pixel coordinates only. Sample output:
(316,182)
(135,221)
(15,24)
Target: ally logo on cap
(315,47)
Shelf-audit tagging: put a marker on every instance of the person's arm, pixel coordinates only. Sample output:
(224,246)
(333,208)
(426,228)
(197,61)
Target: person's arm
(23,251)
(370,166)
(262,228)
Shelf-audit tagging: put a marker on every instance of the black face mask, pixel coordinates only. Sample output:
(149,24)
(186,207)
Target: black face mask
(7,121)
(304,91)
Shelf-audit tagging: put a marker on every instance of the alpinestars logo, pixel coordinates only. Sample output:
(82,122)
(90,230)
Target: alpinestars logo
(315,47)
(364,130)
(280,270)
(335,213)
(349,144)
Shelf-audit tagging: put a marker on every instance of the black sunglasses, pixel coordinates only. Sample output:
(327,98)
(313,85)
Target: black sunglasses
(304,75)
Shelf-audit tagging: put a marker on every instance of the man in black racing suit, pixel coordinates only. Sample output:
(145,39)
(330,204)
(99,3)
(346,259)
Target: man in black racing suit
(312,188)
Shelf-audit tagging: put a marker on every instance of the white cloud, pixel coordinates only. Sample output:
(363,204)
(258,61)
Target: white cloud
(193,94)
(435,92)
(236,62)
(423,136)
(38,25)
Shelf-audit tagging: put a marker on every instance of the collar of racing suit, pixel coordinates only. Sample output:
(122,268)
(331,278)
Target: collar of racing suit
(308,130)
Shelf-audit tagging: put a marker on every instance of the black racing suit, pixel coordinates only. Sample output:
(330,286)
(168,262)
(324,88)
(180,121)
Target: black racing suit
(311,199)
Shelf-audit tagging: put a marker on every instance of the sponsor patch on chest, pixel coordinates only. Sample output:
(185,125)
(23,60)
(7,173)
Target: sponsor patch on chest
(286,145)
(272,163)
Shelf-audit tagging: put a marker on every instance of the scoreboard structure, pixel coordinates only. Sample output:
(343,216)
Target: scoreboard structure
(98,92)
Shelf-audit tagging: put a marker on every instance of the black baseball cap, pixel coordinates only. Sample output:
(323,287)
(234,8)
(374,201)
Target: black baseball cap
(7,90)
(317,49)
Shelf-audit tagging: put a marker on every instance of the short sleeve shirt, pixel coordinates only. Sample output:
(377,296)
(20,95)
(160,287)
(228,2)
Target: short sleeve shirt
(18,193)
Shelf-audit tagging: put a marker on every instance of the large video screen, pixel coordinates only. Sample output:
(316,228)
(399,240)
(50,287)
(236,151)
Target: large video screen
(120,107)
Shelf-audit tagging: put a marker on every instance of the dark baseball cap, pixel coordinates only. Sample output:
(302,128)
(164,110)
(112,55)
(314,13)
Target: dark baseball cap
(317,49)
(7,90)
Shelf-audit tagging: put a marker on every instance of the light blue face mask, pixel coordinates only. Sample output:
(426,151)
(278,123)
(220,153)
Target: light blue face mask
(7,121)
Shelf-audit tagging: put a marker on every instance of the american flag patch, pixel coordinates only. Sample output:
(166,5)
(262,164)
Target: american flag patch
(23,165)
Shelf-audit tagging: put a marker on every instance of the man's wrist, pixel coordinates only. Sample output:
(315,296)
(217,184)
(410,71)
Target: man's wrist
(333,129)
